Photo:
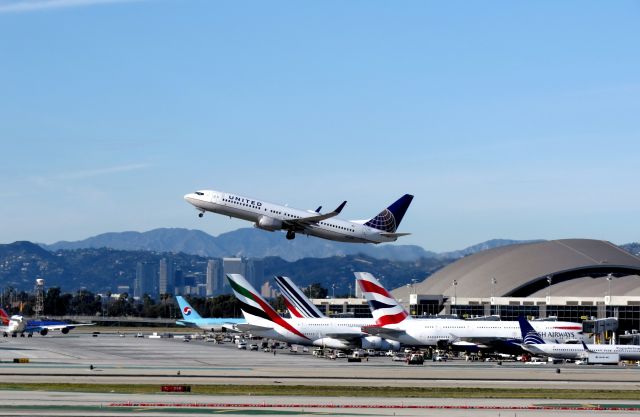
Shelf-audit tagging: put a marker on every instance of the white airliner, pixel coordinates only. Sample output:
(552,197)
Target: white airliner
(393,322)
(268,216)
(11,325)
(264,321)
(533,343)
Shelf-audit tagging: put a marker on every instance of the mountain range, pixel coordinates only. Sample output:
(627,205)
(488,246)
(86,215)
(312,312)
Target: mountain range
(254,243)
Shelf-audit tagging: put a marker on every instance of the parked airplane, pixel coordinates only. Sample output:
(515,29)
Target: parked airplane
(264,321)
(393,322)
(300,306)
(36,326)
(268,216)
(191,318)
(11,325)
(535,344)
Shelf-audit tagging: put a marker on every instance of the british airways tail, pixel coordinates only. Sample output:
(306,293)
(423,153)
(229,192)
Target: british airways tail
(388,220)
(385,309)
(188,312)
(297,303)
(529,335)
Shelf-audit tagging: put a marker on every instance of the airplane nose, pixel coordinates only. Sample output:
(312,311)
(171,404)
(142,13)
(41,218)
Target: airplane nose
(189,198)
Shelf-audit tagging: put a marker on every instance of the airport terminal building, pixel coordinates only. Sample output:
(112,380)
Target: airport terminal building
(572,279)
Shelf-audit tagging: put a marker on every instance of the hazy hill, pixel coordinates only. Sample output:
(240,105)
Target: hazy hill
(255,243)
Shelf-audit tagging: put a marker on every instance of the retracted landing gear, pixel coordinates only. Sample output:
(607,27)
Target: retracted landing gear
(291,235)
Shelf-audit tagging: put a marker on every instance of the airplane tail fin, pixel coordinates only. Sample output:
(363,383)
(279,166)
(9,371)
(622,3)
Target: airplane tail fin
(4,317)
(529,335)
(297,303)
(388,220)
(256,310)
(384,307)
(188,312)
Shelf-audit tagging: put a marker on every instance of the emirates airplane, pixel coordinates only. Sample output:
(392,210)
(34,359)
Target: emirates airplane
(334,333)
(268,216)
(393,322)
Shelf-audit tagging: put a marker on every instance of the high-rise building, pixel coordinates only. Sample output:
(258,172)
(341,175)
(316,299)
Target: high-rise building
(251,269)
(179,283)
(145,281)
(215,277)
(166,277)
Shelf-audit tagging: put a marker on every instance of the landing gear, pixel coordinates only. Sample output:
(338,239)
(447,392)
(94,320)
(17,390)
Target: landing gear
(200,214)
(291,235)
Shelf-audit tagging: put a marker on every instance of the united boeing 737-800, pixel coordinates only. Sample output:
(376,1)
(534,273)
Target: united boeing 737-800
(268,216)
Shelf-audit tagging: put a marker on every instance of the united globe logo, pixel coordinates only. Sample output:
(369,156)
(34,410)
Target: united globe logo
(186,311)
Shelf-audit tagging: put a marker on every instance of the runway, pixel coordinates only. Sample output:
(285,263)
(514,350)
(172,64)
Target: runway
(129,360)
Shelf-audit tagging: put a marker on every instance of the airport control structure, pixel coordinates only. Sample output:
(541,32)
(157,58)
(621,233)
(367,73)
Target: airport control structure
(579,280)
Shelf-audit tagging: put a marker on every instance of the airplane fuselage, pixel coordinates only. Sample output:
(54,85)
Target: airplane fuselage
(577,351)
(272,217)
(420,332)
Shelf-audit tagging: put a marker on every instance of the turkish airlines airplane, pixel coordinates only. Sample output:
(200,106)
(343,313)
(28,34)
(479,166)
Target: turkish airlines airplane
(393,322)
(268,216)
(264,321)
(534,343)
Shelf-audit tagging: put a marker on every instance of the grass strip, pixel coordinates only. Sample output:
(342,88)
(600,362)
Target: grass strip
(339,391)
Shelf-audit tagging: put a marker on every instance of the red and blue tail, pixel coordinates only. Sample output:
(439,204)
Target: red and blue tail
(384,307)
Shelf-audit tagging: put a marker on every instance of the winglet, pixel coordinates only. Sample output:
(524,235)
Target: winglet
(318,209)
(340,207)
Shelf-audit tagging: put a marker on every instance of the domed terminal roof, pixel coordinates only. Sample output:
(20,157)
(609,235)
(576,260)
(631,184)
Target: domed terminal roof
(521,270)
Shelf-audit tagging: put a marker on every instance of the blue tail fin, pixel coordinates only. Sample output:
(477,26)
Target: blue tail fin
(188,312)
(389,219)
(529,335)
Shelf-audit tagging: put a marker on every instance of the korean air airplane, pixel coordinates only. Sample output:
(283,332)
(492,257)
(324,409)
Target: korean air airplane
(264,321)
(534,343)
(393,322)
(191,318)
(268,216)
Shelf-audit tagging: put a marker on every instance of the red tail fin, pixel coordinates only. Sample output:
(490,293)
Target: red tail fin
(4,317)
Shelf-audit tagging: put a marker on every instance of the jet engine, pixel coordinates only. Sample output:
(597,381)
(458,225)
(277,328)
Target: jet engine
(65,330)
(329,342)
(269,223)
(378,343)
(44,332)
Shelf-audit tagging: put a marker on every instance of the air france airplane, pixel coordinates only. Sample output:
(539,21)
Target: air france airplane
(533,343)
(264,321)
(191,318)
(393,322)
(268,216)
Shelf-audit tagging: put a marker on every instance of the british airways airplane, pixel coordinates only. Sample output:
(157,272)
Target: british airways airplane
(268,216)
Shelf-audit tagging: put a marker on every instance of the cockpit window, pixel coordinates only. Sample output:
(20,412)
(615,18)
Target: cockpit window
(199,193)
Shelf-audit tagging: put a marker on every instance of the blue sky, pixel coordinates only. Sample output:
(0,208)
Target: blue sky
(505,119)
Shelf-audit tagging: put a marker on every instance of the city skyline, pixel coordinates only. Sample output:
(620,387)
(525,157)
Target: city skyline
(504,120)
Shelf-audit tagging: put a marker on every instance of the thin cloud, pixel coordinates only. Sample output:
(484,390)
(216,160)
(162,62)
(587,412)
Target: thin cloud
(100,171)
(17,6)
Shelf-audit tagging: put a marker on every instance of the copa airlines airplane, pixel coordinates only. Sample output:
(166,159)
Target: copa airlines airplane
(264,321)
(533,343)
(268,216)
(191,318)
(393,322)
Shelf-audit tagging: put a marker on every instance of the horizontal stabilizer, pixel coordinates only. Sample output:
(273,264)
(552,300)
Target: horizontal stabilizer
(389,234)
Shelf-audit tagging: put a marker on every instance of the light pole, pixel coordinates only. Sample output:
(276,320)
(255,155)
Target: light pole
(609,277)
(455,292)
(549,281)
(493,284)
(333,291)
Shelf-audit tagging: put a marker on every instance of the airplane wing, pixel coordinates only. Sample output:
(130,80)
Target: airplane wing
(383,332)
(56,326)
(246,327)
(349,337)
(305,221)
